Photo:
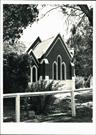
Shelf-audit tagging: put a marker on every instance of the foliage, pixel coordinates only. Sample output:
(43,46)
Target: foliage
(78,12)
(40,104)
(15,77)
(79,82)
(17,17)
(83,98)
(88,12)
(82,42)
(83,112)
(18,48)
(74,13)
(81,38)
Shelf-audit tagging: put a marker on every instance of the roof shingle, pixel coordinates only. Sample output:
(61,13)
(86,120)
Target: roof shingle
(42,47)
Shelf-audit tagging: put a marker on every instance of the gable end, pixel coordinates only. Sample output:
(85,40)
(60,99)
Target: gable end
(34,58)
(62,43)
(36,42)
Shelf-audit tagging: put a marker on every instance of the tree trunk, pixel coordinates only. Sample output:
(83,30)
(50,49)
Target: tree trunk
(88,12)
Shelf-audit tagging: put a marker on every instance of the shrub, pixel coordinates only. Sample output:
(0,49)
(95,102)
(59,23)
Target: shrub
(79,82)
(15,68)
(40,104)
(84,112)
(85,97)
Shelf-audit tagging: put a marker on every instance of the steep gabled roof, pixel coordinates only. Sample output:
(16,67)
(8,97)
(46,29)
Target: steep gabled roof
(63,44)
(44,47)
(33,56)
(35,43)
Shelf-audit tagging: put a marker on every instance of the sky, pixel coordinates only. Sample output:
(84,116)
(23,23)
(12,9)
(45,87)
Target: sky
(48,26)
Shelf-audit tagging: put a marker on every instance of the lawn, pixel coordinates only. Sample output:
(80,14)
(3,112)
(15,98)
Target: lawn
(59,111)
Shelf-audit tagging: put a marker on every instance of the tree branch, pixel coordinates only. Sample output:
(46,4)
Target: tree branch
(48,12)
(88,12)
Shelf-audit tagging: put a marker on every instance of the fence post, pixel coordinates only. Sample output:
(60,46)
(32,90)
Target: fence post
(72,92)
(17,108)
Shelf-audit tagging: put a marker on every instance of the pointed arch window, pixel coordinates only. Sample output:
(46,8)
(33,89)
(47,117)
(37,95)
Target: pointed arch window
(34,73)
(63,71)
(59,61)
(43,69)
(54,72)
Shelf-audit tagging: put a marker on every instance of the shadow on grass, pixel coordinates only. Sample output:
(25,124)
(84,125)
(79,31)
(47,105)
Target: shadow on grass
(58,112)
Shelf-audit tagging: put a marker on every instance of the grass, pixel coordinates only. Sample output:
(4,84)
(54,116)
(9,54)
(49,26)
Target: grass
(58,112)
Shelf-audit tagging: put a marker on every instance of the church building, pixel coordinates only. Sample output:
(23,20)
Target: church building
(51,60)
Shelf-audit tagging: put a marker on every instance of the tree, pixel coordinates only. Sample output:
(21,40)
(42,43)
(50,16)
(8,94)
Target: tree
(82,42)
(81,39)
(16,65)
(88,12)
(79,12)
(18,48)
(15,19)
(16,72)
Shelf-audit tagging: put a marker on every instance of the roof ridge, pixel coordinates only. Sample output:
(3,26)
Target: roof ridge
(43,47)
(47,39)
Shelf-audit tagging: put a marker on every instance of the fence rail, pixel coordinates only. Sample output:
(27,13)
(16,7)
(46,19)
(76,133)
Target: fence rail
(27,94)
(31,94)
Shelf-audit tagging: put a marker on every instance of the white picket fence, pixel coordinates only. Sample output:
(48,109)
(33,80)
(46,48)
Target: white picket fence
(31,94)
